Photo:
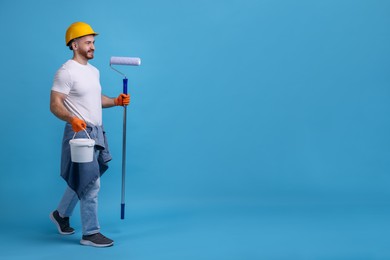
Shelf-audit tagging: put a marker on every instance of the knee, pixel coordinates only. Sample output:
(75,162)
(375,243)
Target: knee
(96,185)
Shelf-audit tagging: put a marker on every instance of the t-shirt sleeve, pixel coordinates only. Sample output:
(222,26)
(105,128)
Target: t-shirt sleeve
(62,81)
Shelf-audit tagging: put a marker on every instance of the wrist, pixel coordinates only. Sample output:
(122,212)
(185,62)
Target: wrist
(71,119)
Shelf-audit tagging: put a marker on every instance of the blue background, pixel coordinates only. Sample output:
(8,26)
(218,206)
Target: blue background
(258,129)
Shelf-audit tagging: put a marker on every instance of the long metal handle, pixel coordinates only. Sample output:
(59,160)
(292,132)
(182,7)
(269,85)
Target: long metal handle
(124,153)
(123,164)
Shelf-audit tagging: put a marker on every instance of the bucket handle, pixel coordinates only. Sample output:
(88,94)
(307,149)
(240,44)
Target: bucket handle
(84,131)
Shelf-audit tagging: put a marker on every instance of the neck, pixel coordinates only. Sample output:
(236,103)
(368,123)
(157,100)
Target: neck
(80,59)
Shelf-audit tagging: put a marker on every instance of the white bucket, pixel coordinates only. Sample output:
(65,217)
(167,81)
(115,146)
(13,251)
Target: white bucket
(82,149)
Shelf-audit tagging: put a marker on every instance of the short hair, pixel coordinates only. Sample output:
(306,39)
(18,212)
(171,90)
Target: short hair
(70,43)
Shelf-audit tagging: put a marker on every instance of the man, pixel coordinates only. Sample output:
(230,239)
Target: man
(76,98)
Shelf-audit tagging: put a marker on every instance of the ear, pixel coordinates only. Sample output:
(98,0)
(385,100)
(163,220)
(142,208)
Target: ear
(74,45)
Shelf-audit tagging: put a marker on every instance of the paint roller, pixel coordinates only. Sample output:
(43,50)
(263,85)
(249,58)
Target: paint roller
(127,61)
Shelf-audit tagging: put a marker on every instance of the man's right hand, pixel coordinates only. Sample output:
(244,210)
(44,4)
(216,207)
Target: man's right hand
(78,124)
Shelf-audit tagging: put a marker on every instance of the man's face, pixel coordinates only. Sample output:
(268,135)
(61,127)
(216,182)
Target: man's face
(86,46)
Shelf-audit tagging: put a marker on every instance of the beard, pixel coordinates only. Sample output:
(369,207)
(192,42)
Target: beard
(87,54)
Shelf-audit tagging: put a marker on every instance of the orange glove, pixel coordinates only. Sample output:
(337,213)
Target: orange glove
(78,124)
(122,100)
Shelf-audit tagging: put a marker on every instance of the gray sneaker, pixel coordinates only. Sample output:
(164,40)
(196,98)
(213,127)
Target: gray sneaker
(62,224)
(97,240)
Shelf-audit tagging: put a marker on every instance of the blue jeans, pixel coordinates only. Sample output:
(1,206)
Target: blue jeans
(88,207)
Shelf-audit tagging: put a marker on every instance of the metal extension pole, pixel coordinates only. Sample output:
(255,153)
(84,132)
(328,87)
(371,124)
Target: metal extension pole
(124,153)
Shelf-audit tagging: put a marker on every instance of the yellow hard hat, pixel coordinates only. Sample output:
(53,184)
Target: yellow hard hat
(76,30)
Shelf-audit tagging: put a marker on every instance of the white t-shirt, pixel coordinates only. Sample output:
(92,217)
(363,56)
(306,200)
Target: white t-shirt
(81,84)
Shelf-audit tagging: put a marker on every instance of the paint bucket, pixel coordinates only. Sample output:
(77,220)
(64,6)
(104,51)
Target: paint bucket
(82,149)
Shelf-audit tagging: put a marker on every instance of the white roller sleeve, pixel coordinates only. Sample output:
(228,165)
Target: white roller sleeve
(125,61)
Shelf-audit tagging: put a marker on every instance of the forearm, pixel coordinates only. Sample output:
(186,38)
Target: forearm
(107,101)
(62,114)
(57,107)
